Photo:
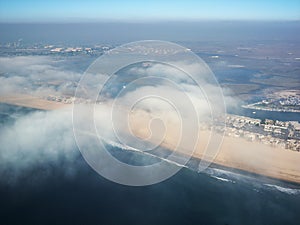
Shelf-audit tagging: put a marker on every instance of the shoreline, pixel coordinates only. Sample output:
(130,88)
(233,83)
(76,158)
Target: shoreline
(257,158)
(235,153)
(253,107)
(30,101)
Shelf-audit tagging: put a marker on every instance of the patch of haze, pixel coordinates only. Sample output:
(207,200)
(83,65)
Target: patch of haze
(43,142)
(37,140)
(37,75)
(196,93)
(46,138)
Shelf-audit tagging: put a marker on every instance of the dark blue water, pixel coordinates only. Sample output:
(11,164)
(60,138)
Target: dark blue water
(260,114)
(186,198)
(282,116)
(216,196)
(235,75)
(244,76)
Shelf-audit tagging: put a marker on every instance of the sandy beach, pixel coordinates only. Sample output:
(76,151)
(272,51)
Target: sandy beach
(30,102)
(234,152)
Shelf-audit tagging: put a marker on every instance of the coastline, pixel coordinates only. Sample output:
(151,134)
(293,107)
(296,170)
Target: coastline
(236,153)
(253,107)
(260,159)
(30,101)
(253,157)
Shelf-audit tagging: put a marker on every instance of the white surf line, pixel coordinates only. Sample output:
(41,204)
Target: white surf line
(234,175)
(222,179)
(126,147)
(284,190)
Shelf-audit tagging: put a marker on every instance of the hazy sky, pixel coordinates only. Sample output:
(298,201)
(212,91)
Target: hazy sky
(134,10)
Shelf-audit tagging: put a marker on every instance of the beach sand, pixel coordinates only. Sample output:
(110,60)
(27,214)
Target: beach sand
(233,152)
(31,102)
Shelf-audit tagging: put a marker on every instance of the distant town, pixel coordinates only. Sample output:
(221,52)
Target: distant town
(19,48)
(289,103)
(276,133)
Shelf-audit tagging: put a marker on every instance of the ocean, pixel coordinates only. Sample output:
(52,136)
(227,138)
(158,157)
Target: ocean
(45,194)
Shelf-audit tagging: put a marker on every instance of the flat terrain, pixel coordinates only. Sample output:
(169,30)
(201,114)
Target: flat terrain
(30,102)
(233,152)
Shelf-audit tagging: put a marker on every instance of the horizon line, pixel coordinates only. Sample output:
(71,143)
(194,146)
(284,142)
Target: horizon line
(149,21)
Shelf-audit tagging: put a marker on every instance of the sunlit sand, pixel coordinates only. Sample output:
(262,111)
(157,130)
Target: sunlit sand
(30,102)
(234,152)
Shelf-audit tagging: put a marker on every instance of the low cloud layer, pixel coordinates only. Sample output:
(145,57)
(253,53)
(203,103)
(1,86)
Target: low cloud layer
(37,140)
(46,139)
(35,75)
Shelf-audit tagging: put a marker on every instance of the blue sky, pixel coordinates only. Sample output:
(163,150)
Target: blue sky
(156,10)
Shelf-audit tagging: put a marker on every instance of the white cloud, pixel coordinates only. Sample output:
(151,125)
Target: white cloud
(37,139)
(32,74)
(45,138)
